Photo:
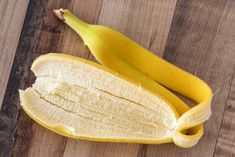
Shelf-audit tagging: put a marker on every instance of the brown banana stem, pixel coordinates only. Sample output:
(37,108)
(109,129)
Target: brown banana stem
(59,13)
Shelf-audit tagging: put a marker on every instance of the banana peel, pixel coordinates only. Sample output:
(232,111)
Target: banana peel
(135,74)
(117,52)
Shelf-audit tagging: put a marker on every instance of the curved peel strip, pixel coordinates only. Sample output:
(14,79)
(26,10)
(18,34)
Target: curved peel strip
(124,56)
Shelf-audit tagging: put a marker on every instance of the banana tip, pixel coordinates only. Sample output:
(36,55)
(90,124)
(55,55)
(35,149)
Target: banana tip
(59,13)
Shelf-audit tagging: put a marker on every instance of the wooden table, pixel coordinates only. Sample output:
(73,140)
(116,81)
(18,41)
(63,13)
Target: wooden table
(196,35)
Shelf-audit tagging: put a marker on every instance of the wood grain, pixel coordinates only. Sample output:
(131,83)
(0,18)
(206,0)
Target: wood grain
(52,33)
(21,67)
(201,40)
(226,140)
(225,145)
(12,13)
(88,148)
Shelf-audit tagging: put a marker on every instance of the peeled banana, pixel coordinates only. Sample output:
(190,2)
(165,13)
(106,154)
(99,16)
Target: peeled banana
(125,102)
(81,99)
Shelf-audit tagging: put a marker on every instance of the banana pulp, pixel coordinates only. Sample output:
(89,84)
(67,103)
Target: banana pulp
(81,99)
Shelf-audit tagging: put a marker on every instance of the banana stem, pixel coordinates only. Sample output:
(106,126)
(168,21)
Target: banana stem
(59,13)
(75,23)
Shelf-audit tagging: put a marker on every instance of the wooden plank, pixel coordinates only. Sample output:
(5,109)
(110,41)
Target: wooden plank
(201,40)
(12,13)
(142,22)
(226,138)
(43,34)
(88,148)
(10,107)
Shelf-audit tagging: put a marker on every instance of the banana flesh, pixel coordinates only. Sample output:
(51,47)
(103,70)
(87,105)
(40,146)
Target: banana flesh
(81,99)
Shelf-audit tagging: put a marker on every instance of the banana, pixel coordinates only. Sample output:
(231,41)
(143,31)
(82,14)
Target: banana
(122,55)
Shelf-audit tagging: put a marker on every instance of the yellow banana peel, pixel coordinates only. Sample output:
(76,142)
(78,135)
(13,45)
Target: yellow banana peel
(149,113)
(117,52)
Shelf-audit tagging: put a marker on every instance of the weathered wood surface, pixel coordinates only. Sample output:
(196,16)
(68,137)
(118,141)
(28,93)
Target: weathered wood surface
(198,38)
(226,138)
(12,14)
(201,41)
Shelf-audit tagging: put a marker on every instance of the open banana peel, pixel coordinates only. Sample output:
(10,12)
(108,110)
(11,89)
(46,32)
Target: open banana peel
(123,100)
